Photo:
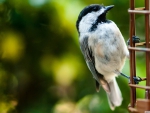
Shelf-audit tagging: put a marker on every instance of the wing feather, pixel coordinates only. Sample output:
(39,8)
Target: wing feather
(90,61)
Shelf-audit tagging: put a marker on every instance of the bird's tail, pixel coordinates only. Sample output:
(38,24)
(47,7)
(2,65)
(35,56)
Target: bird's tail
(114,96)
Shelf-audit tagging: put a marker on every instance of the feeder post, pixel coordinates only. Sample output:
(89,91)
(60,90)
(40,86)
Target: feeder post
(132,55)
(147,3)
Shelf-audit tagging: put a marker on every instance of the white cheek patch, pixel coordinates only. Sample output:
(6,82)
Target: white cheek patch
(100,12)
(88,20)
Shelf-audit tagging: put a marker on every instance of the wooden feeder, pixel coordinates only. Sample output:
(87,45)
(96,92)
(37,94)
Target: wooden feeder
(139,105)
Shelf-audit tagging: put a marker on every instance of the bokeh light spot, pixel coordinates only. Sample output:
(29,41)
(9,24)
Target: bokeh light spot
(65,74)
(37,2)
(1,1)
(12,46)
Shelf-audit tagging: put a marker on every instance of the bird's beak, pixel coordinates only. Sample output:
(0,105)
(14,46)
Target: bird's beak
(107,8)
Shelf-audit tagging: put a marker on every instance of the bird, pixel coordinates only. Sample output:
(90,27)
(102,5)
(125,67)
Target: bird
(104,49)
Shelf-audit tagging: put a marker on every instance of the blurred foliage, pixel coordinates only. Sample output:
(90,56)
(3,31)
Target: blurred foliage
(41,67)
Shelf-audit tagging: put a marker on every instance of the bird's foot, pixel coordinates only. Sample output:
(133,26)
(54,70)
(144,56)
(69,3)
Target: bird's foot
(137,80)
(135,39)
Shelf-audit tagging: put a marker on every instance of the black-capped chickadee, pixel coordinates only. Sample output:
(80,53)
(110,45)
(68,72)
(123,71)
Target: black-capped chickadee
(103,48)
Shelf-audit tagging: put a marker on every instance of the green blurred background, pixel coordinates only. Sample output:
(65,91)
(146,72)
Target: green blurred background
(41,67)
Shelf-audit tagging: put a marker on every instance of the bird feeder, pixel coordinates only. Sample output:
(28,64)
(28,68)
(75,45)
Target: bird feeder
(139,105)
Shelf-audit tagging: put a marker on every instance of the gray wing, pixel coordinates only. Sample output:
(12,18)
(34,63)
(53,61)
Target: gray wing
(88,56)
(90,61)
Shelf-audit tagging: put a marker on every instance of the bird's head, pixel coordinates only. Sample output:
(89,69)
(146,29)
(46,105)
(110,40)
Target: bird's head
(90,14)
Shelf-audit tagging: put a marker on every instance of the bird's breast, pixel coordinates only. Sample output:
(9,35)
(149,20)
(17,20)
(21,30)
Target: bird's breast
(108,45)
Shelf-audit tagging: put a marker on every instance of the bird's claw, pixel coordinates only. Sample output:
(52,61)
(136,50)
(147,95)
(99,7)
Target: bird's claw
(135,39)
(137,79)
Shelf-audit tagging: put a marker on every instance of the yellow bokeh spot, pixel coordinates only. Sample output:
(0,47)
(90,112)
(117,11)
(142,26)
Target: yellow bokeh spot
(5,107)
(64,73)
(65,107)
(12,46)
(65,70)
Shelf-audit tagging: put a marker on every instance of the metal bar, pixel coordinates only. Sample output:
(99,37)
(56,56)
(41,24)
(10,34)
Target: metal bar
(139,49)
(141,87)
(132,56)
(147,93)
(133,110)
(141,44)
(139,11)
